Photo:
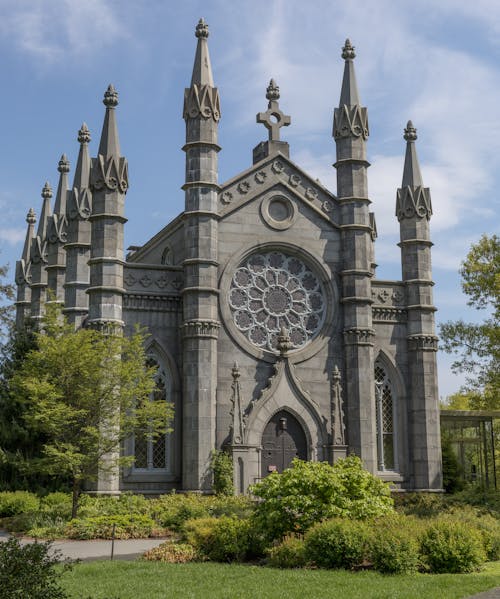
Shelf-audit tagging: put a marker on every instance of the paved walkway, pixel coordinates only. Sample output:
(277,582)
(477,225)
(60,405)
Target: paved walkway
(97,549)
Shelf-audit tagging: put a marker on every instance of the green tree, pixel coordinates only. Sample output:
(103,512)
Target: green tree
(86,392)
(477,346)
(6,297)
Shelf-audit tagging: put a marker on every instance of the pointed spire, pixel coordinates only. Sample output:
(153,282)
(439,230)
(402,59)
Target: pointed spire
(110,143)
(31,220)
(82,170)
(62,188)
(46,211)
(202,69)
(412,177)
(349,96)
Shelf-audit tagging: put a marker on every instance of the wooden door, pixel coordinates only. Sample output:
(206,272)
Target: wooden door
(283,439)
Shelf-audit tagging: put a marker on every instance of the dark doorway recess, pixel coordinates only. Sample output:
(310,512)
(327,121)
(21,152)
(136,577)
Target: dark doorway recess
(283,439)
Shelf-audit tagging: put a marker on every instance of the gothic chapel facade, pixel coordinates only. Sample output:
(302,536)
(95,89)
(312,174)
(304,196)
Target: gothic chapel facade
(273,336)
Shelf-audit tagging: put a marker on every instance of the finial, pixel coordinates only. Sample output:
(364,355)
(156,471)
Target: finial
(336,373)
(110,97)
(84,134)
(272,91)
(410,132)
(202,29)
(235,371)
(46,191)
(284,343)
(63,165)
(31,217)
(348,50)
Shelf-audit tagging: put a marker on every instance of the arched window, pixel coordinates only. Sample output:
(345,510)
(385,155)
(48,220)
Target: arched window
(167,256)
(387,455)
(154,454)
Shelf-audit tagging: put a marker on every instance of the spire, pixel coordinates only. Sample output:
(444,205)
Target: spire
(62,188)
(82,170)
(350,118)
(202,69)
(31,220)
(349,96)
(46,211)
(411,173)
(413,200)
(110,143)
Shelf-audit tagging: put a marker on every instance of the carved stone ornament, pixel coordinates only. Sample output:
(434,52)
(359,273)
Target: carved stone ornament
(389,314)
(56,231)
(359,336)
(39,251)
(129,279)
(226,197)
(110,173)
(350,121)
(23,272)
(271,291)
(274,118)
(80,204)
(311,194)
(278,167)
(327,206)
(237,431)
(201,328)
(337,410)
(146,280)
(423,343)
(295,180)
(201,101)
(260,177)
(244,187)
(413,202)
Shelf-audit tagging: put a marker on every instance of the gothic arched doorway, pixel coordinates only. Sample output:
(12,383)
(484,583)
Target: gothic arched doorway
(282,440)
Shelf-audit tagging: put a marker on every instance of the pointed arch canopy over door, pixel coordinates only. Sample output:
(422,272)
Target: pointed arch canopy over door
(282,441)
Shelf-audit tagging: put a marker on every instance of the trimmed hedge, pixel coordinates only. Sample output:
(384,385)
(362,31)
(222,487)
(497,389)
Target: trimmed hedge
(393,547)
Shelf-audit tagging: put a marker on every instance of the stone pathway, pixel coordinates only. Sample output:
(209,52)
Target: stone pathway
(491,594)
(128,549)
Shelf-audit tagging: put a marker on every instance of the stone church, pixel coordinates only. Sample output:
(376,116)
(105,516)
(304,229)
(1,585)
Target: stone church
(272,334)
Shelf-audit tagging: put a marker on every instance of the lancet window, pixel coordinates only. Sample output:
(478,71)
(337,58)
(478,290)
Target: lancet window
(387,455)
(151,454)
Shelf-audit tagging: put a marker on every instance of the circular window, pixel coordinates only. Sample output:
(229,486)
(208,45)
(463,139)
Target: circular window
(272,290)
(278,212)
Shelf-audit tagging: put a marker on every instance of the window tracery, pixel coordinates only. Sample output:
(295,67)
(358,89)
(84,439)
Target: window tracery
(386,420)
(272,290)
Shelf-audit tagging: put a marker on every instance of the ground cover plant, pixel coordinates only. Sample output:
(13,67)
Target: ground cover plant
(131,580)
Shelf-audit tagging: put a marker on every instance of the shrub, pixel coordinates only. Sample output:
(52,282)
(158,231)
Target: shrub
(452,546)
(126,503)
(171,553)
(17,502)
(56,505)
(131,526)
(338,543)
(487,526)
(222,468)
(29,571)
(290,553)
(309,492)
(224,539)
(173,509)
(393,545)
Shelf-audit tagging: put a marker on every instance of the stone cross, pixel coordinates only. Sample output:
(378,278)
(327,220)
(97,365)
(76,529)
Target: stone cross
(273,119)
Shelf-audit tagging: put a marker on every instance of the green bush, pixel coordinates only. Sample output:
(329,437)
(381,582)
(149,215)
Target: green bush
(224,539)
(423,505)
(171,553)
(337,543)
(309,492)
(56,505)
(126,503)
(290,553)
(222,468)
(449,545)
(131,526)
(17,502)
(393,545)
(485,524)
(29,571)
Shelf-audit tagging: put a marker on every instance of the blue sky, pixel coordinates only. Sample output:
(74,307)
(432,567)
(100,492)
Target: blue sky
(437,63)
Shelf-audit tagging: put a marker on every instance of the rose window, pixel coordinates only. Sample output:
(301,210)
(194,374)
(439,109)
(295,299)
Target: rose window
(273,290)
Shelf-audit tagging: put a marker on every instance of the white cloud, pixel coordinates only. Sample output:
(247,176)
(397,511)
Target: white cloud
(52,30)
(12,235)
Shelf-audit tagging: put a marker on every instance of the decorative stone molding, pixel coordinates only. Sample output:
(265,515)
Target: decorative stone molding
(152,303)
(226,197)
(138,279)
(80,205)
(278,167)
(110,173)
(413,202)
(201,101)
(359,336)
(201,328)
(56,230)
(388,295)
(397,315)
(237,429)
(311,194)
(350,121)
(294,180)
(244,187)
(260,177)
(422,343)
(23,273)
(337,410)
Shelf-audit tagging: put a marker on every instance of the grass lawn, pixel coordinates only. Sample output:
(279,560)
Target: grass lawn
(134,580)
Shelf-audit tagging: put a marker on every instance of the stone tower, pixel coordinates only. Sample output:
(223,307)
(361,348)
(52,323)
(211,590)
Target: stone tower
(350,130)
(23,275)
(79,206)
(56,237)
(39,258)
(200,294)
(413,211)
